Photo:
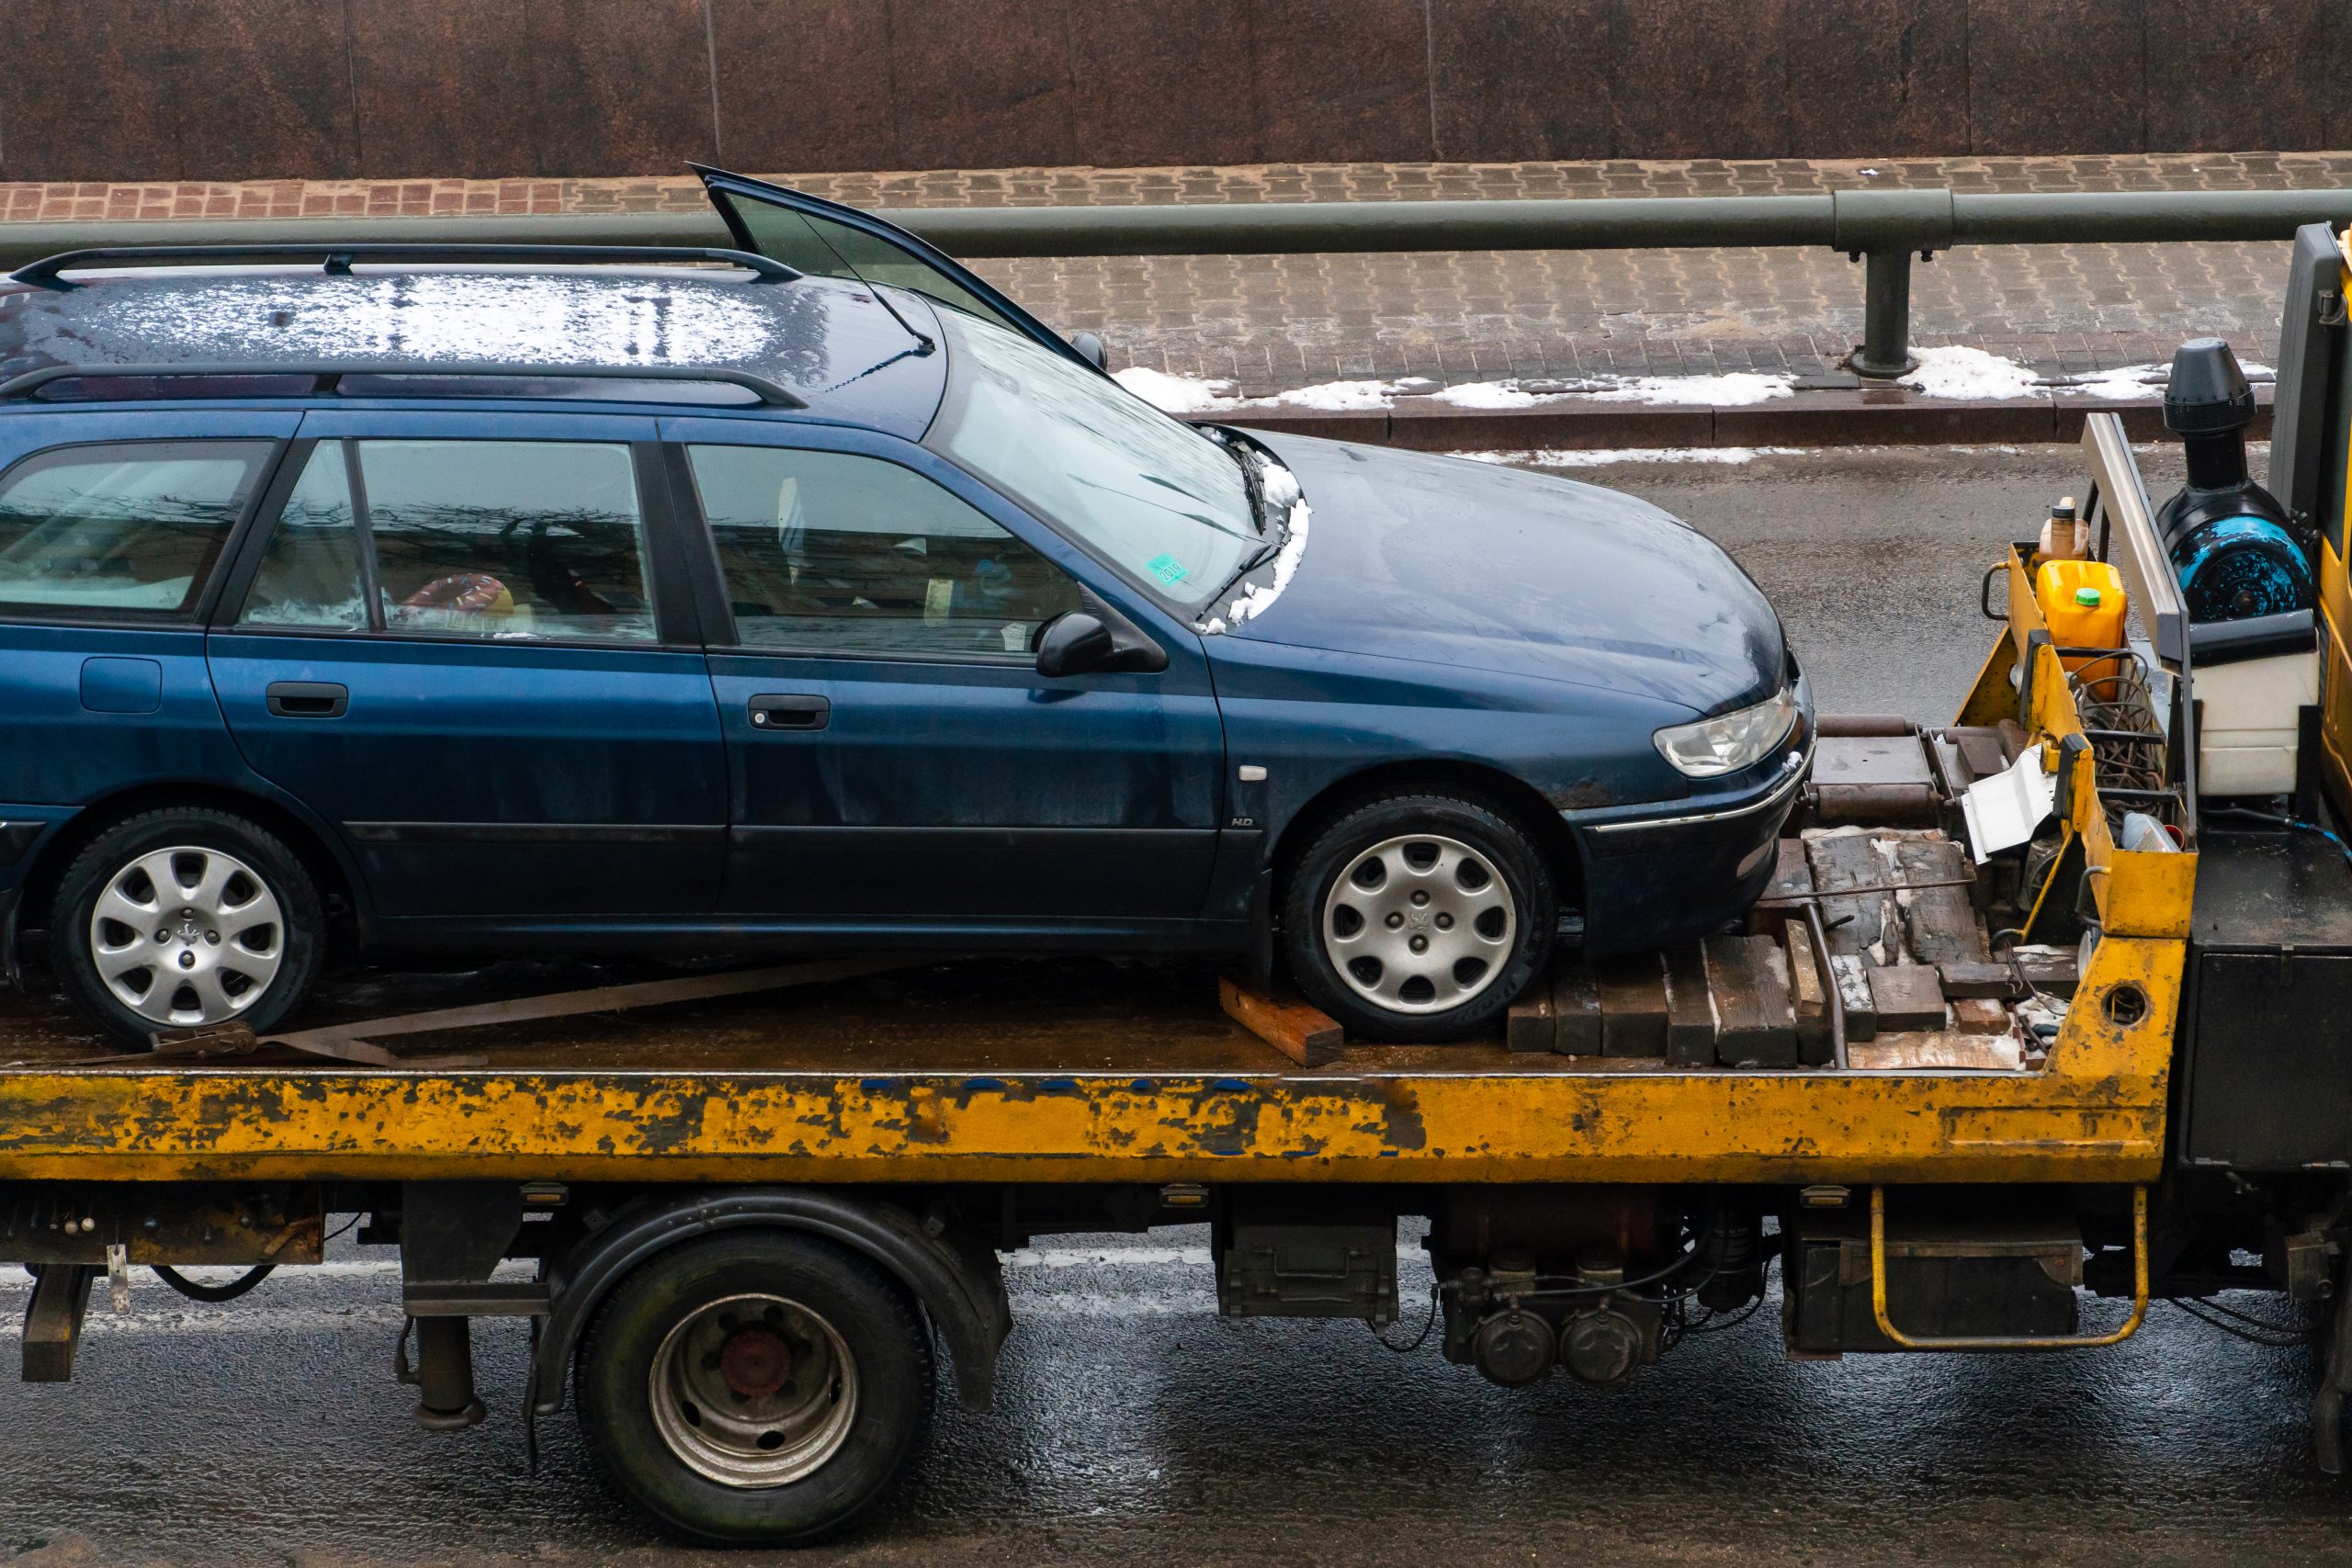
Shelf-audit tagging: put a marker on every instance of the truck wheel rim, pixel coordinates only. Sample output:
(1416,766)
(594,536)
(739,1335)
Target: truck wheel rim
(187,936)
(755,1391)
(1418,923)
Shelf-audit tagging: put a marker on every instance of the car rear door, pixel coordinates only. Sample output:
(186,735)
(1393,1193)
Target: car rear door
(465,641)
(116,529)
(813,235)
(895,756)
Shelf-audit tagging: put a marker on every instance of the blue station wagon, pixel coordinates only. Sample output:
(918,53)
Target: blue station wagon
(808,594)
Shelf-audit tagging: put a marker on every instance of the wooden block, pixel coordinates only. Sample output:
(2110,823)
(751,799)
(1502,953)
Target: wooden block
(1907,996)
(1808,998)
(1995,1053)
(1854,992)
(1529,1026)
(1576,1011)
(1633,1005)
(1980,1015)
(1790,875)
(1747,982)
(1988,979)
(1691,1026)
(1939,923)
(2050,969)
(1859,924)
(1306,1034)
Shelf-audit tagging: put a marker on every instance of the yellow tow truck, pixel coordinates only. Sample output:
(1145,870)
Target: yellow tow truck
(746,1224)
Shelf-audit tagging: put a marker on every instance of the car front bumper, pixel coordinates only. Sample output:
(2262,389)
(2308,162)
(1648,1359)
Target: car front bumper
(1652,881)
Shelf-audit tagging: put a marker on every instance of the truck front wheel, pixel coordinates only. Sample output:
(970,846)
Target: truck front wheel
(756,1388)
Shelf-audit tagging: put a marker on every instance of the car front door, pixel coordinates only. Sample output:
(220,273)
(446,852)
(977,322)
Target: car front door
(814,235)
(465,642)
(895,757)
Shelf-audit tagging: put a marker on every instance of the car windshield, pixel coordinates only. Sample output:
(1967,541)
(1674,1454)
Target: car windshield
(1155,498)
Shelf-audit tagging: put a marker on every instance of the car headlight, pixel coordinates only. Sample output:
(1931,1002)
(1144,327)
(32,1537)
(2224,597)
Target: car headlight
(1729,741)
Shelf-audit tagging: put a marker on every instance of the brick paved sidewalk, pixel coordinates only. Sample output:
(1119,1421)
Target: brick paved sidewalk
(1271,323)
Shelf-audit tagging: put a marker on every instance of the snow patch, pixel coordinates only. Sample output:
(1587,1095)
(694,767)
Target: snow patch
(1606,457)
(1735,388)
(2121,384)
(1959,371)
(1337,397)
(1487,395)
(1174,394)
(1261,595)
(517,318)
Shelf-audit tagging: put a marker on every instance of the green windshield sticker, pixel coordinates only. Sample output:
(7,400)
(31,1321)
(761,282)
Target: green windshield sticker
(1166,568)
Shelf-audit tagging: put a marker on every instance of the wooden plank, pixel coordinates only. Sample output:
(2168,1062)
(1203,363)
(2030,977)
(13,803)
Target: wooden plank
(1907,996)
(1576,1011)
(1995,1053)
(1858,925)
(1747,982)
(2050,969)
(1939,924)
(1980,1015)
(1690,1025)
(1808,998)
(1854,991)
(1528,1027)
(1306,1034)
(1633,1005)
(1975,980)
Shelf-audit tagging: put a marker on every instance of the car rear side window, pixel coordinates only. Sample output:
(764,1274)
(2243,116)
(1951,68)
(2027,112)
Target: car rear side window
(836,553)
(508,540)
(125,529)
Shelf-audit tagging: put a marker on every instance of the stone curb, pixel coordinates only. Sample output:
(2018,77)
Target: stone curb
(1875,416)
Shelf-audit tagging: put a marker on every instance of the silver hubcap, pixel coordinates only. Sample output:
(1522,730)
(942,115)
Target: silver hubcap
(1418,923)
(755,1391)
(187,936)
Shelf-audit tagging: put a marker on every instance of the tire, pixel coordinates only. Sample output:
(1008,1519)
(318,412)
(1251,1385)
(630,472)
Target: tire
(255,972)
(1401,995)
(693,1325)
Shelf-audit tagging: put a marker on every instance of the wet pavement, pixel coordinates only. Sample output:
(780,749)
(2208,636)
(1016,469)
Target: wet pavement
(1134,1426)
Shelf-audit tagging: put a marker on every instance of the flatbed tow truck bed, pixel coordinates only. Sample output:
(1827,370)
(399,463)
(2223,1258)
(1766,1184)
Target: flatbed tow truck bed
(802,1192)
(1067,1072)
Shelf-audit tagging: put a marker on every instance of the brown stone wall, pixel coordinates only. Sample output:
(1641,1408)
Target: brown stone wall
(321,89)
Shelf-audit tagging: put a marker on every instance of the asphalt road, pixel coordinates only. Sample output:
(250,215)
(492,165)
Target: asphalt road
(1134,1426)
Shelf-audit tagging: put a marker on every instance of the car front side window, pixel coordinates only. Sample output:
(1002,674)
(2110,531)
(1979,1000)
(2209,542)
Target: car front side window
(832,552)
(506,540)
(128,528)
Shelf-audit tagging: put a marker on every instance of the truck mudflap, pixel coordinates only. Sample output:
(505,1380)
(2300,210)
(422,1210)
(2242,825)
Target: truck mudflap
(961,1289)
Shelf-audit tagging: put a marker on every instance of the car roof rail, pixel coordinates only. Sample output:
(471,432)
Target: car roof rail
(336,259)
(329,374)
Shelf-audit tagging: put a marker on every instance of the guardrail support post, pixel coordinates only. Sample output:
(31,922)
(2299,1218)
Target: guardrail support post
(1885,351)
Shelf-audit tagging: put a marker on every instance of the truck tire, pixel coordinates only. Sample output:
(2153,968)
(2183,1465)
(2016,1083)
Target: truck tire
(1418,917)
(185,917)
(756,1389)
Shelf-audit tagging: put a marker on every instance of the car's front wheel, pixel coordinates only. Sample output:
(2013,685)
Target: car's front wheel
(1418,917)
(186,918)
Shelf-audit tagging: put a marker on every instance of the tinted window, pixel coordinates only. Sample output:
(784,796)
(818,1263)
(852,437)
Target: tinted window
(126,529)
(505,539)
(837,553)
(827,249)
(311,575)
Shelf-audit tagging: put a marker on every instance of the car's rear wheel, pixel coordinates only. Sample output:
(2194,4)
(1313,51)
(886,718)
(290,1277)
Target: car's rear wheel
(1418,917)
(183,919)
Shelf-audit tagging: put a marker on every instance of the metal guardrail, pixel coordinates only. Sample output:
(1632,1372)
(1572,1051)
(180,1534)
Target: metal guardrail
(1884,229)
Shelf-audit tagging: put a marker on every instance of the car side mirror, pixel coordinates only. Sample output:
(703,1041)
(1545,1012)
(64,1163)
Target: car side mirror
(1090,348)
(1074,644)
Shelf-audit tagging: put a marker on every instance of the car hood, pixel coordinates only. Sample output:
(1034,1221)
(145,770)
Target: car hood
(1452,561)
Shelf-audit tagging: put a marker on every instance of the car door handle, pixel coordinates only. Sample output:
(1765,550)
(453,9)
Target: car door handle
(307,699)
(791,712)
